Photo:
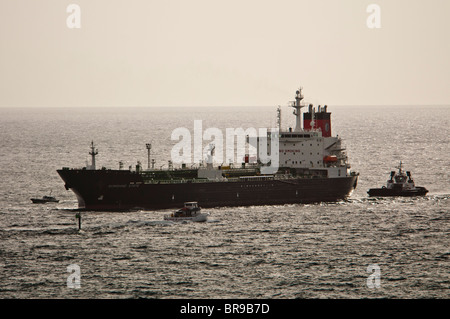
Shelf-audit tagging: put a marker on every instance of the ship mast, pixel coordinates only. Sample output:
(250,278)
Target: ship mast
(400,172)
(297,112)
(149,148)
(279,118)
(93,152)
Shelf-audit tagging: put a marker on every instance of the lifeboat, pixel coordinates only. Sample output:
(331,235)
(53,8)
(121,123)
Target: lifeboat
(330,159)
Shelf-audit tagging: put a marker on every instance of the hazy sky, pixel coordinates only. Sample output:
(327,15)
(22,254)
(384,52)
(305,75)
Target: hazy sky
(223,53)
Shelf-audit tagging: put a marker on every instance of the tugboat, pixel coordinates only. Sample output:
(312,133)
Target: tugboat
(45,199)
(190,212)
(399,184)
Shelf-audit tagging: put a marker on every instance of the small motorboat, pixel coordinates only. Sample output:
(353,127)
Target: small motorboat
(190,212)
(45,199)
(399,184)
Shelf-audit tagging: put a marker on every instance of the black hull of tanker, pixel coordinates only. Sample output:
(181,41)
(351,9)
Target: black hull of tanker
(125,190)
(386,192)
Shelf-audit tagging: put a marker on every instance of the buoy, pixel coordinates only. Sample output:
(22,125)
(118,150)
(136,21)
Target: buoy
(78,216)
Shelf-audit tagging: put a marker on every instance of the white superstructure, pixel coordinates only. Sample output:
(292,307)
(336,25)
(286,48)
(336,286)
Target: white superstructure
(310,149)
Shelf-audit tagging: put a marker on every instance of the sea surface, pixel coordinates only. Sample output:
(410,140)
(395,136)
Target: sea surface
(288,251)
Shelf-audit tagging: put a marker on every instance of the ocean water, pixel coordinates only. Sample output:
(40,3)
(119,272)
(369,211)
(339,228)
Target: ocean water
(287,251)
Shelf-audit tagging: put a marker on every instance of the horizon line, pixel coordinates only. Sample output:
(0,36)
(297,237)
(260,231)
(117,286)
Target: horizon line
(225,106)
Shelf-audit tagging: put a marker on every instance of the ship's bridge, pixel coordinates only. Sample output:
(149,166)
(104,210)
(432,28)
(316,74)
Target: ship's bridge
(310,146)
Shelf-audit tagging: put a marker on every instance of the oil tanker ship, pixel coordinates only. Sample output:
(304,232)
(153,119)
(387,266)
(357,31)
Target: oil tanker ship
(312,167)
